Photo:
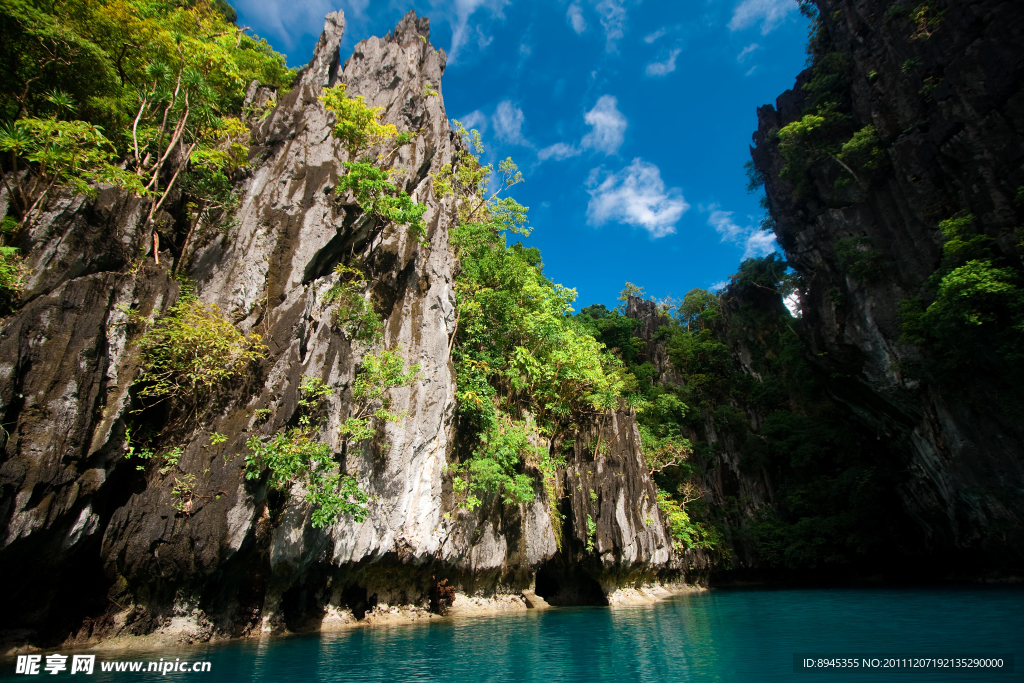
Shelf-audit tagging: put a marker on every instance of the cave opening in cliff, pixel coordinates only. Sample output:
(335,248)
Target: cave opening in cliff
(568,586)
(358,600)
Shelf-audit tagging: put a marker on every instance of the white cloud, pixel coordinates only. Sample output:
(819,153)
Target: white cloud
(770,13)
(751,70)
(664,68)
(287,23)
(755,242)
(651,37)
(458,14)
(792,302)
(474,119)
(636,196)
(723,224)
(721,284)
(613,21)
(609,126)
(575,17)
(508,123)
(745,52)
(559,151)
(482,39)
(759,243)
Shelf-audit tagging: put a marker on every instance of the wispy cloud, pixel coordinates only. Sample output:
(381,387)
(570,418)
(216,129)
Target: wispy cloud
(651,37)
(458,14)
(287,23)
(285,20)
(575,17)
(609,126)
(613,21)
(792,302)
(751,70)
(755,242)
(721,284)
(474,119)
(770,13)
(559,151)
(635,196)
(508,123)
(745,52)
(759,243)
(665,67)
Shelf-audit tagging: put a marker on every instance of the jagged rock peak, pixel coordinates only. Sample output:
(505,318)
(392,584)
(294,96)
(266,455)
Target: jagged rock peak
(411,27)
(323,68)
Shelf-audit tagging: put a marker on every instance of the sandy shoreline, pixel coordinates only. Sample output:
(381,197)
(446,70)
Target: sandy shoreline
(188,630)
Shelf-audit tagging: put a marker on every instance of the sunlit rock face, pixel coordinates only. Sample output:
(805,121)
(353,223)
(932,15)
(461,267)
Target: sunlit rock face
(94,546)
(946,98)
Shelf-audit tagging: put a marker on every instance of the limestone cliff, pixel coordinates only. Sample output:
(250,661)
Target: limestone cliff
(942,84)
(93,546)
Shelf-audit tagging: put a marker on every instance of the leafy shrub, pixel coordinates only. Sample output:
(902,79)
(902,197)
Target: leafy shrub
(685,533)
(525,367)
(143,87)
(378,375)
(858,259)
(12,273)
(356,124)
(378,196)
(977,302)
(353,313)
(298,455)
(193,349)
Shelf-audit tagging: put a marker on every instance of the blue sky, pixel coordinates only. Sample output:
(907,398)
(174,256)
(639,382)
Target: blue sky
(630,120)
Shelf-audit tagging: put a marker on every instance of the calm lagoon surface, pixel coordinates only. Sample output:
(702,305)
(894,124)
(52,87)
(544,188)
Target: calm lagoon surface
(721,635)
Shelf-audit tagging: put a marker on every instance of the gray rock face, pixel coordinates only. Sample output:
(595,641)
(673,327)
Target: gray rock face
(91,545)
(950,109)
(728,486)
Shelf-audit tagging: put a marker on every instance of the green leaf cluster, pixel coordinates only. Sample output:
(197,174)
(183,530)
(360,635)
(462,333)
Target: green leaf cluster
(12,276)
(686,534)
(359,128)
(378,374)
(125,93)
(973,302)
(525,368)
(191,350)
(857,258)
(825,131)
(298,455)
(352,312)
(355,124)
(378,196)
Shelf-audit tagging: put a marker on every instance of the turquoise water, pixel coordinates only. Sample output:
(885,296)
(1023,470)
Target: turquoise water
(722,635)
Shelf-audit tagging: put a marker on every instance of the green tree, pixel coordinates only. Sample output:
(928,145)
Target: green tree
(298,455)
(147,89)
(525,368)
(191,350)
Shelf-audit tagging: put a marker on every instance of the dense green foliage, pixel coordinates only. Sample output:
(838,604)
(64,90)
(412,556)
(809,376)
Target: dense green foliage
(825,132)
(191,350)
(665,409)
(973,302)
(359,128)
(526,370)
(379,374)
(831,508)
(297,455)
(137,94)
(12,268)
(352,312)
